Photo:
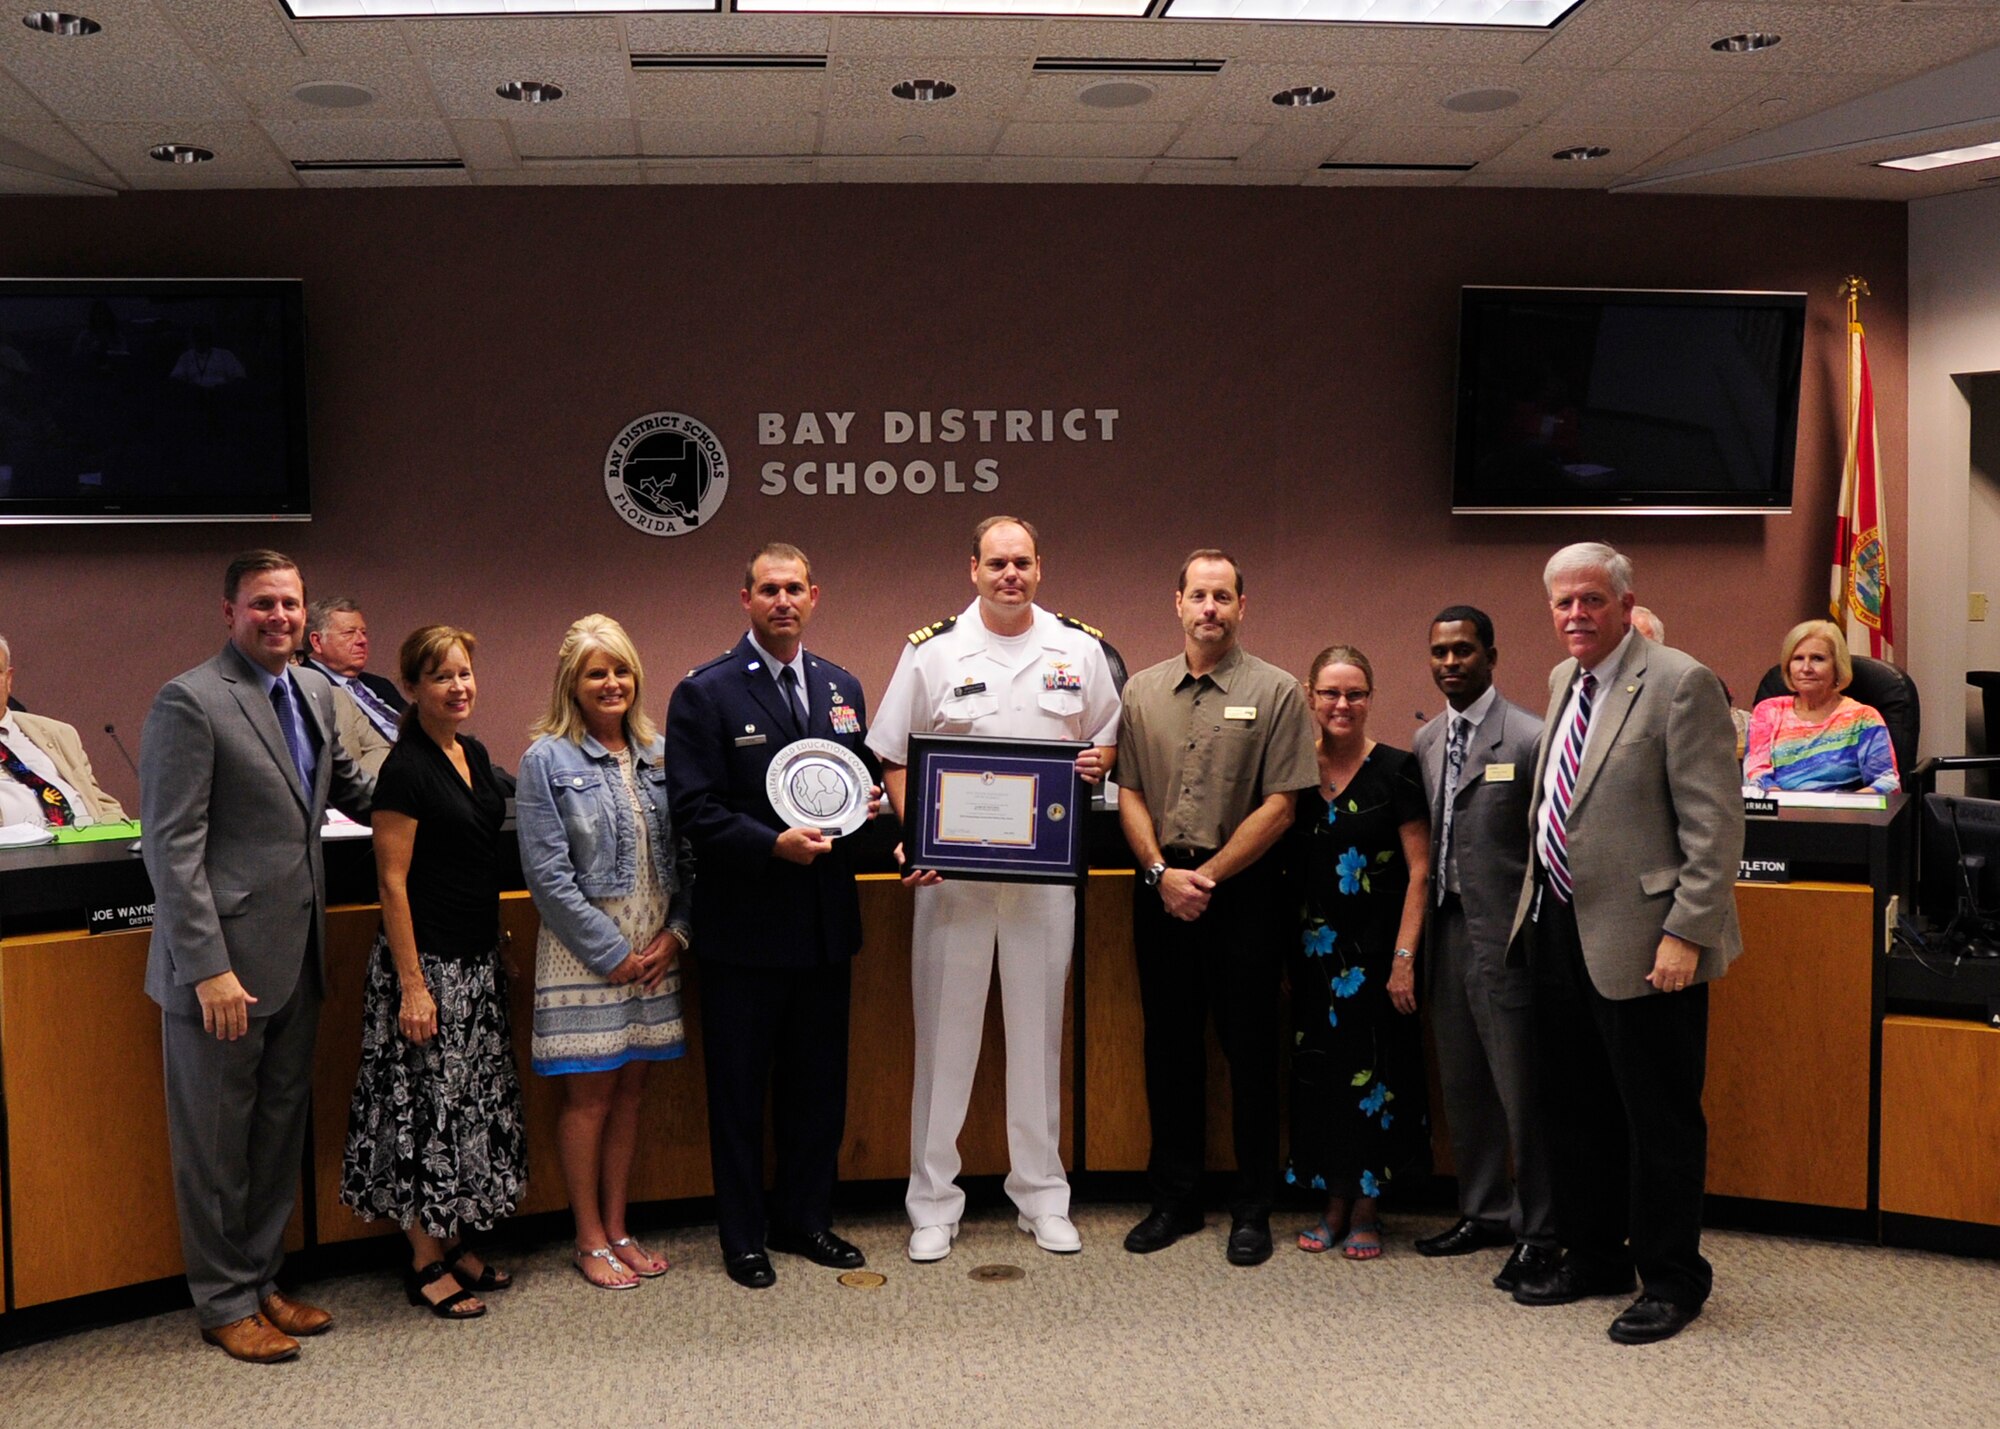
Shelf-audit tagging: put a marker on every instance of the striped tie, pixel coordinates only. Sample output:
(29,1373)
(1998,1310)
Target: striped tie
(1555,849)
(1454,765)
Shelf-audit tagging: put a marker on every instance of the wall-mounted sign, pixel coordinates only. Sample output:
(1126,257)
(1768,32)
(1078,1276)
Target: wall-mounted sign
(666,474)
(892,466)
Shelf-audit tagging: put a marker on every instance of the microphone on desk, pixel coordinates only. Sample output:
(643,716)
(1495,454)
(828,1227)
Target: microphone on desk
(112,730)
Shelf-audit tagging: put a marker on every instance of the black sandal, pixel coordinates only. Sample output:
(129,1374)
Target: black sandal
(448,1308)
(489,1277)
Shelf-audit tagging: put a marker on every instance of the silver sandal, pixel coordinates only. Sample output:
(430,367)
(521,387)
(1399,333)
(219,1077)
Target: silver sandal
(581,1258)
(630,1244)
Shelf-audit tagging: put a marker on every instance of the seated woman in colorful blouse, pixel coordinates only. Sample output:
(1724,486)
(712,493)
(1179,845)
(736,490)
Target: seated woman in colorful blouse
(1816,738)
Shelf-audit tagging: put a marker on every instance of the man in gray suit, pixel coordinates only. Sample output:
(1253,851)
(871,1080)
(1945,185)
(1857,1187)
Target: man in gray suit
(1627,913)
(237,764)
(1478,759)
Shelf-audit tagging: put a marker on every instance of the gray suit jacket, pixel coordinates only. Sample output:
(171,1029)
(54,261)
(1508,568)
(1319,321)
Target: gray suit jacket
(232,842)
(1489,822)
(1656,827)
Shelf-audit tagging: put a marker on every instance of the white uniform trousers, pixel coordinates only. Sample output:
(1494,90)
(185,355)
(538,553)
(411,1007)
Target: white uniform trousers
(958,924)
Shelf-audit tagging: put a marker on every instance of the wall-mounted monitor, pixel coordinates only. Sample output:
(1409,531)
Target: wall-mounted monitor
(1612,400)
(152,400)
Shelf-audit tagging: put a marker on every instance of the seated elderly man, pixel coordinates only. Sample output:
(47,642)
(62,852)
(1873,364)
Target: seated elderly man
(45,776)
(367,707)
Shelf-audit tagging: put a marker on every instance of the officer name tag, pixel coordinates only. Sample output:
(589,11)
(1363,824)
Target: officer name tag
(977,687)
(1240,712)
(1499,774)
(743,739)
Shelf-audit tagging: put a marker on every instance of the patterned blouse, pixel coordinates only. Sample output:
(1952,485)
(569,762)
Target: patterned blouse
(1849,749)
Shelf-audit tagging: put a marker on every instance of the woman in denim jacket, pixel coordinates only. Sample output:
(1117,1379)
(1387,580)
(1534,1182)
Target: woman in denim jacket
(611,882)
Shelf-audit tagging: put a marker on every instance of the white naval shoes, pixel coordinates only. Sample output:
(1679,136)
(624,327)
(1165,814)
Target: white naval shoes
(932,1242)
(1050,1232)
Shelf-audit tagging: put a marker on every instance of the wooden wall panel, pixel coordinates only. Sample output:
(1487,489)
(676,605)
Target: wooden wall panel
(1940,1152)
(1788,1048)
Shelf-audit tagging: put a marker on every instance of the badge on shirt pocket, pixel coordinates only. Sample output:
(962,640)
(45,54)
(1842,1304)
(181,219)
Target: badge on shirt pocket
(1499,774)
(1240,712)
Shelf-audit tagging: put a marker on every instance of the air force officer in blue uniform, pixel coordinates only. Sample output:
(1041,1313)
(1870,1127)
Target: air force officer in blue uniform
(776,922)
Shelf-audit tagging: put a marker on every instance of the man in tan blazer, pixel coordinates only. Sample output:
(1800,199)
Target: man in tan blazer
(1627,913)
(45,776)
(358,735)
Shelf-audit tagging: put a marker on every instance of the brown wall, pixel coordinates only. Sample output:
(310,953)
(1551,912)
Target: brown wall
(1282,361)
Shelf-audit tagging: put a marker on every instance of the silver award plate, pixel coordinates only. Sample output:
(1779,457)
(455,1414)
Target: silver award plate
(818,784)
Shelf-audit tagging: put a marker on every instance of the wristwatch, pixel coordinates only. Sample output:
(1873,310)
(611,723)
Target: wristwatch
(1153,874)
(1405,954)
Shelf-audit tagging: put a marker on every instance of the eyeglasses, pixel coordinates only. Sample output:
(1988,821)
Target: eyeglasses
(1353,697)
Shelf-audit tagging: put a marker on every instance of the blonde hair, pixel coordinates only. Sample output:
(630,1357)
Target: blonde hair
(1843,663)
(593,635)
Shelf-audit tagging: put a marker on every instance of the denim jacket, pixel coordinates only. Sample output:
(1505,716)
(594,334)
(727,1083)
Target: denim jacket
(579,843)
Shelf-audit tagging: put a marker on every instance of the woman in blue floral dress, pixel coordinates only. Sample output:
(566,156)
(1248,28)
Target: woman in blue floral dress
(1361,854)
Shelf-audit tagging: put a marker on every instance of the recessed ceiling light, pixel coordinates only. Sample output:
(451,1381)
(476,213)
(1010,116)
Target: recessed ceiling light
(530,91)
(1481,101)
(1580,153)
(1115,94)
(924,91)
(58,22)
(1302,95)
(1746,43)
(181,153)
(1943,158)
(332,94)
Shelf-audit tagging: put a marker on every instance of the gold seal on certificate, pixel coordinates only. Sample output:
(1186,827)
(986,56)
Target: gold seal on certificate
(818,784)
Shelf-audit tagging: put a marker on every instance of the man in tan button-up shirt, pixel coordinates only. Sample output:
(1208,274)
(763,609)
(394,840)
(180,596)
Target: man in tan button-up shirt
(1215,744)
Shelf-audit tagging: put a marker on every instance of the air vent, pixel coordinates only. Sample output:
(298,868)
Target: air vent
(729,62)
(1063,65)
(373,166)
(1334,168)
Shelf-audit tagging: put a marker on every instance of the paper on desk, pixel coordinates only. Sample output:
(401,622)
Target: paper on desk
(339,826)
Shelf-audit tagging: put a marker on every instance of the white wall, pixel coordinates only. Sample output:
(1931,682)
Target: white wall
(1954,335)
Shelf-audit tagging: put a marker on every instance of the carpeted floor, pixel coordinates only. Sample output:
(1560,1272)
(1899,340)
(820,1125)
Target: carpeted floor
(1799,1333)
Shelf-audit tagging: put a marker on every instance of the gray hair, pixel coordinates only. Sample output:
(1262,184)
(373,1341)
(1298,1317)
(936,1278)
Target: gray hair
(1586,557)
(6,654)
(320,614)
(1649,625)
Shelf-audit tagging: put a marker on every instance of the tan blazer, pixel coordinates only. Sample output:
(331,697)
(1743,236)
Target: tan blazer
(59,741)
(358,735)
(1656,828)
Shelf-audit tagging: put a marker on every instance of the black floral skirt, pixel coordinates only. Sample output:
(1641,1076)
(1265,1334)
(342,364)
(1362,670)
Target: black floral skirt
(434,1133)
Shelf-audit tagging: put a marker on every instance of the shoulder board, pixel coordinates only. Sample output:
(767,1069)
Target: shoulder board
(710,665)
(1073,623)
(918,637)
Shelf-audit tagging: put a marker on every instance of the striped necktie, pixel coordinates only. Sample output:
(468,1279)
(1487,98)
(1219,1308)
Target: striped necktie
(1454,765)
(1555,849)
(379,714)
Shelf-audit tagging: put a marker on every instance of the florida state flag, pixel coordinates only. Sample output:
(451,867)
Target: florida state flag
(1861,605)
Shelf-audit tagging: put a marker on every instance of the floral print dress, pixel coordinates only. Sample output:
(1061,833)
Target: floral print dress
(1359,1101)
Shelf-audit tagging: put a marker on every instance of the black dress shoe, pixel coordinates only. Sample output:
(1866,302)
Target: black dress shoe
(1570,1281)
(1249,1241)
(820,1247)
(1161,1229)
(1528,1262)
(1649,1318)
(751,1269)
(1464,1238)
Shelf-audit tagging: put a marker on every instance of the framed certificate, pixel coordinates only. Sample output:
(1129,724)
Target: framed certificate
(1010,809)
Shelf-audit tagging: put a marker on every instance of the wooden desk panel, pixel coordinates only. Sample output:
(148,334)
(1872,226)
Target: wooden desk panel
(1788,1048)
(1940,1153)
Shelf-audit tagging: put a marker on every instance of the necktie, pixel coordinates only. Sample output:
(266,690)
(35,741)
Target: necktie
(1555,852)
(55,808)
(1454,765)
(788,685)
(295,736)
(379,714)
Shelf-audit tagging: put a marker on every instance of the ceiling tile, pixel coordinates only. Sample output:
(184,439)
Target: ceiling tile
(1417,96)
(515,37)
(1881,38)
(1287,147)
(17,104)
(1530,154)
(768,171)
(726,94)
(485,144)
(1664,98)
(1175,97)
(860,85)
(744,137)
(348,39)
(727,34)
(1604,32)
(1027,169)
(401,85)
(593,86)
(136,70)
(864,36)
(1435,144)
(1102,141)
(914,170)
(50,149)
(576,139)
(1165,171)
(245,158)
(561,175)
(1210,140)
(369,139)
(415,179)
(941,135)
(231,32)
(1376,179)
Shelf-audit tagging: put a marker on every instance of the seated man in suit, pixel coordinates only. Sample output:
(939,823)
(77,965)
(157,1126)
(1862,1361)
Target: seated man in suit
(45,776)
(337,647)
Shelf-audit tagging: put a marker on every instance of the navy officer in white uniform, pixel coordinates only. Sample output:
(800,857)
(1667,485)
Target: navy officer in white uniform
(1007,668)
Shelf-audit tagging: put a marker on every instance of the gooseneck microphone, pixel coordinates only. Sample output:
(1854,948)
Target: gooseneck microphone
(112,730)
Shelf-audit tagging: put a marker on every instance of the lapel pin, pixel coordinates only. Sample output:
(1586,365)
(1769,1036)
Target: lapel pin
(1631,689)
(749,729)
(752,665)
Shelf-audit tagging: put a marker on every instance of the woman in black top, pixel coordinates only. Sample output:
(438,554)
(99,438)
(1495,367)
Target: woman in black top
(434,1132)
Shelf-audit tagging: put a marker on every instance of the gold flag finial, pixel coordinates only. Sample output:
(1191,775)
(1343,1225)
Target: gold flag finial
(1854,289)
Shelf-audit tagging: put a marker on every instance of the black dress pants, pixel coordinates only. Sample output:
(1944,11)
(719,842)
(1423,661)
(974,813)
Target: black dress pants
(1620,1083)
(785,1030)
(1223,965)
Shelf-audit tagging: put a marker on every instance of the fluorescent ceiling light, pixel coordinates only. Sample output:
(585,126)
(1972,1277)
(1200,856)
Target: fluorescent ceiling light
(403,9)
(1088,9)
(1497,14)
(1943,158)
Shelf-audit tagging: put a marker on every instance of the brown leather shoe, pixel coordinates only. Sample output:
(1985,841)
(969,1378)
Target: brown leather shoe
(295,1317)
(252,1339)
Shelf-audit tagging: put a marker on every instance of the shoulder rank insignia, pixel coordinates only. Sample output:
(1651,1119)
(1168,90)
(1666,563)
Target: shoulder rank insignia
(918,637)
(1073,623)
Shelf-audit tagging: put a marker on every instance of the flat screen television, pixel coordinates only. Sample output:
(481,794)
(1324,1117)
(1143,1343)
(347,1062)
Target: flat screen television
(152,400)
(1614,400)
